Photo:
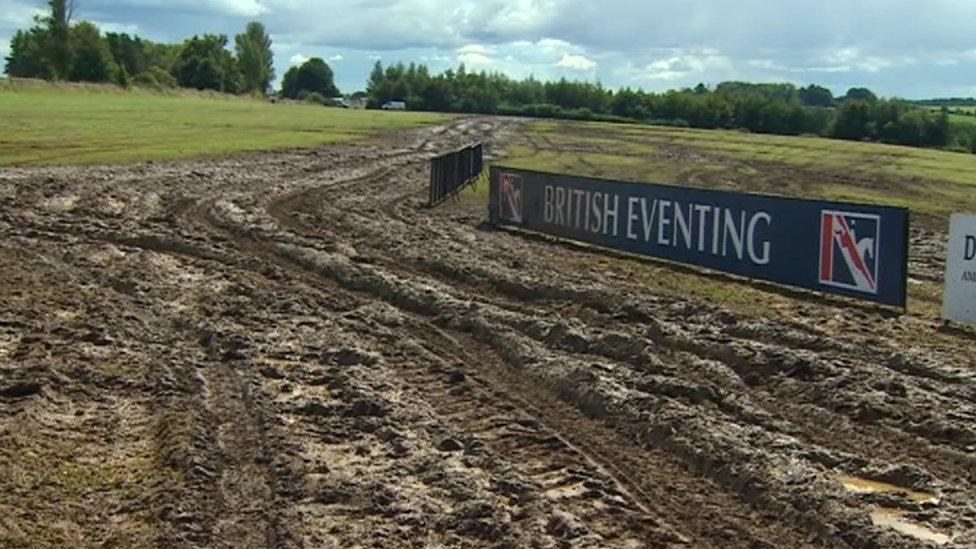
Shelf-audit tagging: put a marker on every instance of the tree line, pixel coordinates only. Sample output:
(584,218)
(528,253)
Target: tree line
(57,48)
(783,109)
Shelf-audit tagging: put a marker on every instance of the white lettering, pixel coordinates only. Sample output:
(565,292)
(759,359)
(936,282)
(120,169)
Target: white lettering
(662,222)
(608,213)
(547,209)
(648,219)
(730,230)
(703,212)
(751,239)
(632,217)
(560,200)
(681,223)
(597,218)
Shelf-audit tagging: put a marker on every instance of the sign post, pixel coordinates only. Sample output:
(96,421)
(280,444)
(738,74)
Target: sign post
(959,298)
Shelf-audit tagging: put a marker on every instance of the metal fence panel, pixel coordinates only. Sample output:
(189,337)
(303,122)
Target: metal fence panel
(452,171)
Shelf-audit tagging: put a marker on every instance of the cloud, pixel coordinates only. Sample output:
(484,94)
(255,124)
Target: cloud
(657,44)
(298,59)
(238,8)
(681,64)
(128,28)
(336,57)
(475,59)
(17,14)
(577,62)
(476,55)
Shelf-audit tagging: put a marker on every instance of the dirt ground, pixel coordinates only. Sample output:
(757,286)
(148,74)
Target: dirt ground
(287,349)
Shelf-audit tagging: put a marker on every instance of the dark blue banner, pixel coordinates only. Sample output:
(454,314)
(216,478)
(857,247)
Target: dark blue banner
(856,250)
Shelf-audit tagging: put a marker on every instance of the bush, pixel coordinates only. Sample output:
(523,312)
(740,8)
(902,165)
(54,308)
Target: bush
(155,77)
(313,97)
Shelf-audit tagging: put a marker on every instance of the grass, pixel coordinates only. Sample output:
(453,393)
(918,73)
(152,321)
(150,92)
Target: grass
(43,123)
(930,182)
(969,119)
(964,108)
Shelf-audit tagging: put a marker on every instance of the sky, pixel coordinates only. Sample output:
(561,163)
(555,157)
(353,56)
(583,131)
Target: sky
(900,48)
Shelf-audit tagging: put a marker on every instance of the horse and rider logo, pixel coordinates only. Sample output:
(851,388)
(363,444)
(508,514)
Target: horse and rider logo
(510,205)
(849,246)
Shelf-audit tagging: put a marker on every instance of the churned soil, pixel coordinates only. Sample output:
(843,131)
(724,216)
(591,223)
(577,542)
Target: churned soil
(288,349)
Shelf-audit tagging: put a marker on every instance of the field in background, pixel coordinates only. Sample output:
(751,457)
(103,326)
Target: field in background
(931,183)
(50,124)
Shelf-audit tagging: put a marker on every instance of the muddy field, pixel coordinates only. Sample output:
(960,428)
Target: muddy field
(287,349)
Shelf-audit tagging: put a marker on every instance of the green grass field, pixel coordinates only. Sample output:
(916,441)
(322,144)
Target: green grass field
(963,119)
(42,123)
(965,108)
(931,182)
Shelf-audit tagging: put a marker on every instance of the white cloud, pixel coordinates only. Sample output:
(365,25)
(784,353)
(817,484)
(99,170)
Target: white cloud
(686,63)
(239,8)
(336,57)
(475,59)
(128,28)
(246,8)
(18,15)
(622,42)
(480,49)
(476,55)
(298,59)
(577,62)
(852,58)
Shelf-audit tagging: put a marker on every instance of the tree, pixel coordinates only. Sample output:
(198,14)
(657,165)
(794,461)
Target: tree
(860,94)
(205,64)
(91,59)
(129,52)
(254,57)
(27,54)
(853,120)
(816,96)
(313,75)
(376,78)
(58,48)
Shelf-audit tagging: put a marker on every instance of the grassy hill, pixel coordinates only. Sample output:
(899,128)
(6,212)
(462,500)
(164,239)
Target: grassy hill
(42,123)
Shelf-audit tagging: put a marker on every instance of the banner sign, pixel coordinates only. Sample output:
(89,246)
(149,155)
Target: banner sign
(959,299)
(855,250)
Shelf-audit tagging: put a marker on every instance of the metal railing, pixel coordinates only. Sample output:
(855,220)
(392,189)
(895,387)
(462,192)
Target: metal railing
(450,172)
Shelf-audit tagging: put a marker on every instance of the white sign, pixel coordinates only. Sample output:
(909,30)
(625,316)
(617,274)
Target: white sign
(959,300)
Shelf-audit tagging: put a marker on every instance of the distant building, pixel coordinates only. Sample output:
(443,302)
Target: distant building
(394,106)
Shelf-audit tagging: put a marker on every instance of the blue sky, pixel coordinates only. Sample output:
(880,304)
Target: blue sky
(899,48)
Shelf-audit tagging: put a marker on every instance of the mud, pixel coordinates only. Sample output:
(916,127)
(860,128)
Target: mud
(287,349)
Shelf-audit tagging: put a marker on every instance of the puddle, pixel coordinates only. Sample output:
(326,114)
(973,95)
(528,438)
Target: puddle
(860,485)
(895,519)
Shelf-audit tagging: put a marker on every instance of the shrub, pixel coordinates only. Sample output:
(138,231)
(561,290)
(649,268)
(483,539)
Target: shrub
(155,77)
